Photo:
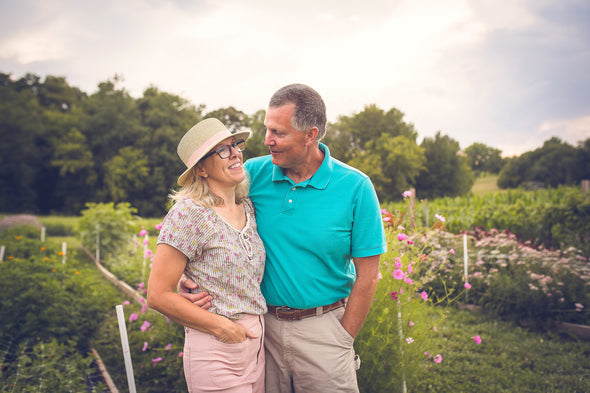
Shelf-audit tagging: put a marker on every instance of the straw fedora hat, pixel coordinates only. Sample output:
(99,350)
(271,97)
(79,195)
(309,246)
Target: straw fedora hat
(200,139)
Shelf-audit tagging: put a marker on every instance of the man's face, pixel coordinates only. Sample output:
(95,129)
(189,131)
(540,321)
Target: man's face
(286,144)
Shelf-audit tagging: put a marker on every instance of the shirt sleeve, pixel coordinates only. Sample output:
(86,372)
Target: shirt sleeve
(368,234)
(180,229)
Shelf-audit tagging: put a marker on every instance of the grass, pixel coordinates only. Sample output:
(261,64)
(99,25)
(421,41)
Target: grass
(485,184)
(509,359)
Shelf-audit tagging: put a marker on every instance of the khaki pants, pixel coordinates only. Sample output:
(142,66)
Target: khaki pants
(310,355)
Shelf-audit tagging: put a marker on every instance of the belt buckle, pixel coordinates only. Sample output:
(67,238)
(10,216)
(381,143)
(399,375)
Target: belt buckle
(279,309)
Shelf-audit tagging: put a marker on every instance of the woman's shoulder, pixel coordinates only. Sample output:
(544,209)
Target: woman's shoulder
(187,208)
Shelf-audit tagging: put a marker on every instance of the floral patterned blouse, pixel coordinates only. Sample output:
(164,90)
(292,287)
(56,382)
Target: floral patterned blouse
(224,261)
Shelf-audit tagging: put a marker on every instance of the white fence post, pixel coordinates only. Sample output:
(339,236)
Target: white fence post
(125,345)
(2,249)
(42,234)
(64,249)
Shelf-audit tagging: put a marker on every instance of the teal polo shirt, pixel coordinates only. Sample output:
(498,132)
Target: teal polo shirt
(312,230)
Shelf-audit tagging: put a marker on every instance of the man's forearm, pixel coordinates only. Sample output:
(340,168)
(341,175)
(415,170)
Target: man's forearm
(361,296)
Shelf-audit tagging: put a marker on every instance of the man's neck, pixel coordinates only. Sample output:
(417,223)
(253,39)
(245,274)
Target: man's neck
(308,167)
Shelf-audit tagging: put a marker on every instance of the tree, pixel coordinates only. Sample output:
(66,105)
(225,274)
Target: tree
(165,119)
(21,124)
(482,158)
(447,172)
(255,145)
(554,163)
(381,145)
(110,122)
(392,163)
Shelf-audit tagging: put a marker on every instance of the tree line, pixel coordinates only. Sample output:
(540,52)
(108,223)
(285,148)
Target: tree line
(62,147)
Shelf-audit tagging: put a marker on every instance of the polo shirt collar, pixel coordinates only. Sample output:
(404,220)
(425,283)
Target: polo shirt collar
(319,180)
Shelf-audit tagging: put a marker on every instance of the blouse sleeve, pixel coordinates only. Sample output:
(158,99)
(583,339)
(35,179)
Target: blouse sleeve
(182,229)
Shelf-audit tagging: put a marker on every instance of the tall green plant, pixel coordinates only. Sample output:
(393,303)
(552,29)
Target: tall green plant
(111,226)
(395,342)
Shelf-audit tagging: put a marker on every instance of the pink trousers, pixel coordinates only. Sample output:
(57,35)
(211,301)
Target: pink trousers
(213,366)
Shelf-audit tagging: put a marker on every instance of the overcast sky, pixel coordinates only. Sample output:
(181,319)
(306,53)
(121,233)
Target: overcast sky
(506,73)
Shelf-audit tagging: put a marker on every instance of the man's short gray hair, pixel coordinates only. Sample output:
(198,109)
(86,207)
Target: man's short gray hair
(310,109)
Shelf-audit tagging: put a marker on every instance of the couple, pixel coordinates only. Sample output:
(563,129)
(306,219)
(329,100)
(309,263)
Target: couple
(316,224)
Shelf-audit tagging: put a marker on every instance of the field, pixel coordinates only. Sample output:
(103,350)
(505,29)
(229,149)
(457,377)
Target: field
(427,348)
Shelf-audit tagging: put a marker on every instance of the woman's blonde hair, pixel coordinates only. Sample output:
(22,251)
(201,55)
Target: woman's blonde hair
(196,188)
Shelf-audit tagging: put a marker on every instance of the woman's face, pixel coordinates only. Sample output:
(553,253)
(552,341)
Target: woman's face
(223,171)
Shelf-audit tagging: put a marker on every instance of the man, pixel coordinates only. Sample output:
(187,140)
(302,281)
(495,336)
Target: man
(321,226)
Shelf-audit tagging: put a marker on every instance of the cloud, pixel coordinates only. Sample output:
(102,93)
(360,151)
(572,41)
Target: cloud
(571,130)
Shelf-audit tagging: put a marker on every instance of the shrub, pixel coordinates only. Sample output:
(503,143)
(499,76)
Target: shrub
(112,225)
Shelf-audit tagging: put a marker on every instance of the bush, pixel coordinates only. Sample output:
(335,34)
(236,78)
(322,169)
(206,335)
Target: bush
(113,225)
(514,280)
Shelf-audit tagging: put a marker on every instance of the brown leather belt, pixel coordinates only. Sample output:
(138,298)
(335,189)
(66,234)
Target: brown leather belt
(285,313)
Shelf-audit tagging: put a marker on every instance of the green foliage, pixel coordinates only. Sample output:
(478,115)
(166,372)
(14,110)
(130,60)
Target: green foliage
(447,172)
(159,367)
(512,280)
(395,342)
(509,359)
(553,218)
(555,163)
(381,145)
(484,159)
(113,224)
(48,366)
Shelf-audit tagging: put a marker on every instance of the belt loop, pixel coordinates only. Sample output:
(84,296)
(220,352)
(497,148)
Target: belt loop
(319,311)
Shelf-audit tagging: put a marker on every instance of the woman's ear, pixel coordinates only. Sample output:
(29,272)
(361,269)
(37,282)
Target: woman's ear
(200,171)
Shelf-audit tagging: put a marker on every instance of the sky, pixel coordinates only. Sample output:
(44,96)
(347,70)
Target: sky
(506,73)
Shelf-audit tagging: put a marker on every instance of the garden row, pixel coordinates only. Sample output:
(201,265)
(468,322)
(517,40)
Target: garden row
(555,218)
(49,310)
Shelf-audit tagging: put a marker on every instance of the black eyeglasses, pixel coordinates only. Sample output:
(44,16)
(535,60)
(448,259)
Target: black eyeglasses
(225,151)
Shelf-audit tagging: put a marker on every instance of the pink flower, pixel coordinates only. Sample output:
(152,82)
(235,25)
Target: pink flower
(143,308)
(401,236)
(386,219)
(398,274)
(143,232)
(159,226)
(393,295)
(180,354)
(145,345)
(437,359)
(411,323)
(145,326)
(435,329)
(407,194)
(156,360)
(410,242)
(409,340)
(409,281)
(427,354)
(398,262)
(133,317)
(379,276)
(126,303)
(141,285)
(477,340)
(148,253)
(439,217)
(452,251)
(168,346)
(467,285)
(424,295)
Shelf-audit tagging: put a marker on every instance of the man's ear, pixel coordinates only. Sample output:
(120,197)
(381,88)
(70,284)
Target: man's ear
(311,135)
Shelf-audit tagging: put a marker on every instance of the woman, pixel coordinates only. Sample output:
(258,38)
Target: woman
(210,236)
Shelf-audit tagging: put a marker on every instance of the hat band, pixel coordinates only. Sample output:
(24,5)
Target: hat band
(204,148)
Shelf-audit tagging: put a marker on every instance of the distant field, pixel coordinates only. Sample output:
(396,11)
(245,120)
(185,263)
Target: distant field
(485,184)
